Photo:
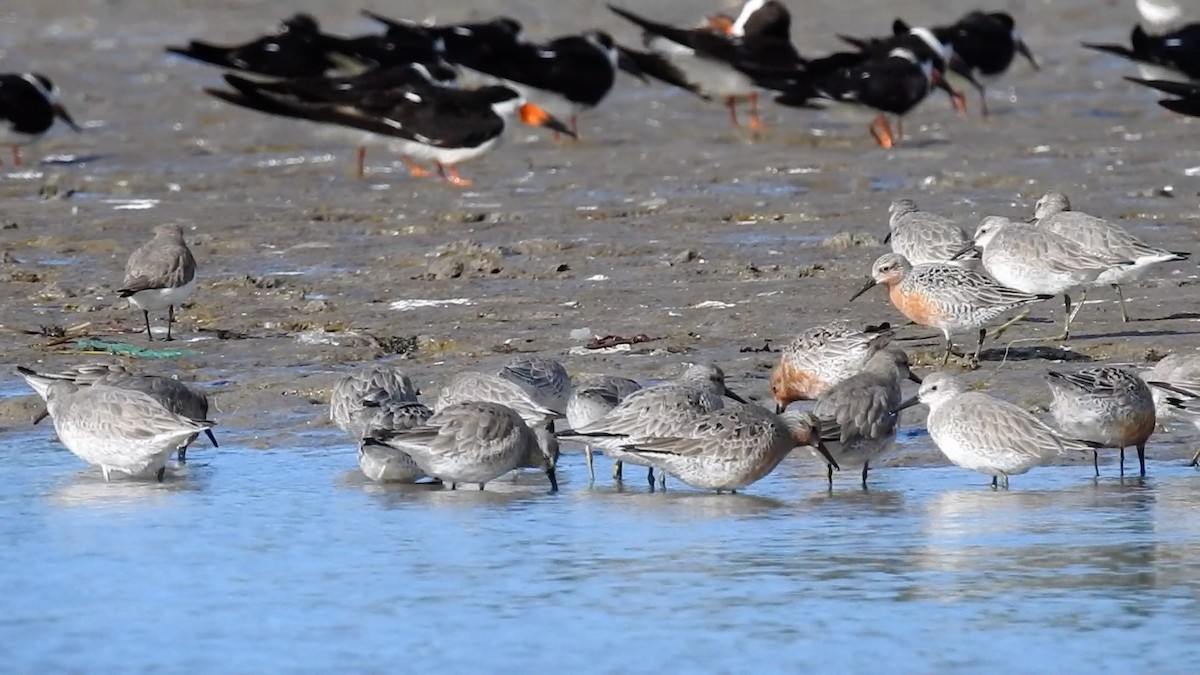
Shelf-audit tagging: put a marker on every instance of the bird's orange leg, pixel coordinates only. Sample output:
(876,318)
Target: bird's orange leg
(450,175)
(415,170)
(731,103)
(755,121)
(360,165)
(882,133)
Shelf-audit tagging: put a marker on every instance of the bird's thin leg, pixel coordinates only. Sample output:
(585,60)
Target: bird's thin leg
(866,467)
(617,470)
(454,486)
(1096,462)
(829,474)
(1121,297)
(983,107)
(949,348)
(1071,315)
(360,166)
(170,320)
(574,125)
(731,104)
(181,456)
(1195,459)
(149,335)
(650,476)
(481,487)
(162,472)
(1122,462)
(1142,459)
(415,170)
(755,120)
(662,479)
(881,132)
(450,175)
(994,485)
(104,470)
(979,347)
(587,453)
(1004,481)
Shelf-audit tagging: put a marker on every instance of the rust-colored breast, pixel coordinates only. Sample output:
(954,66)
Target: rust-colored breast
(1137,428)
(790,384)
(915,306)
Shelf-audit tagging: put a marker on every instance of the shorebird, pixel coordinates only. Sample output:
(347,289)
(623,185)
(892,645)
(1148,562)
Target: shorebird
(1175,385)
(171,393)
(29,104)
(730,448)
(985,44)
(160,273)
(923,237)
(1186,95)
(355,398)
(985,434)
(859,415)
(475,442)
(373,402)
(945,296)
(1108,406)
(659,411)
(119,430)
(296,50)
(594,398)
(546,380)
(1169,56)
(1100,237)
(472,386)
(1035,260)
(821,357)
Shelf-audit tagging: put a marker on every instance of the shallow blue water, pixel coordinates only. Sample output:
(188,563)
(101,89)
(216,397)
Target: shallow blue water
(286,560)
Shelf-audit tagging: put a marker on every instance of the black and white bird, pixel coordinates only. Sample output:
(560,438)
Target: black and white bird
(421,120)
(1185,95)
(29,104)
(893,84)
(984,44)
(298,49)
(1173,55)
(720,60)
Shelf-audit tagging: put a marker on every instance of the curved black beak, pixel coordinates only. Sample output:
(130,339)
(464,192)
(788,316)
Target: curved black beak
(211,437)
(63,115)
(41,415)
(887,237)
(1023,50)
(825,453)
(729,393)
(964,250)
(908,404)
(915,377)
(553,479)
(866,287)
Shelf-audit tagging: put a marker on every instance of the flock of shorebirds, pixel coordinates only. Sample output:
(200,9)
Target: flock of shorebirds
(484,425)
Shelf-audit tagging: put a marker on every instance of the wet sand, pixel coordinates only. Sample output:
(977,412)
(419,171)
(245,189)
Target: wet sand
(661,221)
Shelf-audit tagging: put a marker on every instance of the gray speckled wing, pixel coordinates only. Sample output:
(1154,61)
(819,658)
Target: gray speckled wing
(729,433)
(966,287)
(993,425)
(546,380)
(159,264)
(471,386)
(655,412)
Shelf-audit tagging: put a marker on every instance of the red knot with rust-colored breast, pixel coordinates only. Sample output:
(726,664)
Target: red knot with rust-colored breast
(949,298)
(1109,406)
(822,356)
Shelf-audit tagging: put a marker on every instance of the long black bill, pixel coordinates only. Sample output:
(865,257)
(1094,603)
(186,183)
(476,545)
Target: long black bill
(550,473)
(828,457)
(908,404)
(211,437)
(963,251)
(915,377)
(729,393)
(63,115)
(1023,50)
(866,287)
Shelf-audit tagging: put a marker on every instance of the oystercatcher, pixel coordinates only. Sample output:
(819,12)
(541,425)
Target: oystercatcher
(1187,95)
(297,50)
(426,121)
(29,105)
(984,43)
(1161,57)
(716,64)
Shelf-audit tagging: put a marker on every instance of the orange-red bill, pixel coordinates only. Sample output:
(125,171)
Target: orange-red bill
(536,116)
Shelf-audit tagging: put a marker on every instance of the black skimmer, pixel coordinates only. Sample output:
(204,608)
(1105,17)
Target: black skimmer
(566,76)
(424,121)
(721,62)
(1186,95)
(297,50)
(893,84)
(984,43)
(29,104)
(903,35)
(1174,55)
